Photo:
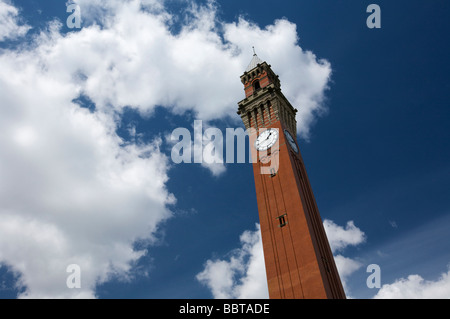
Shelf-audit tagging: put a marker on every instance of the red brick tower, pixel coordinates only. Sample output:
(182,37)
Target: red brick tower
(298,258)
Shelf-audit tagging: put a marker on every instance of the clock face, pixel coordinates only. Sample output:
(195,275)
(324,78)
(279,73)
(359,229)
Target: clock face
(266,139)
(291,141)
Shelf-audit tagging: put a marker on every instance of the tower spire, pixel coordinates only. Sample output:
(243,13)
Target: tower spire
(254,62)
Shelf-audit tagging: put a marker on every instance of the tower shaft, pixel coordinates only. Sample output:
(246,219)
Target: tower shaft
(299,262)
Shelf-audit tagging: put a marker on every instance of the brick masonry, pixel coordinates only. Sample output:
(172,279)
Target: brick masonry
(298,258)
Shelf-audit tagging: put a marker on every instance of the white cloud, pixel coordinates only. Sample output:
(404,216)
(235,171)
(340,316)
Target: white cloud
(10,26)
(305,92)
(71,190)
(243,275)
(340,237)
(415,287)
(197,69)
(204,146)
(70,193)
(346,267)
(211,149)
(393,224)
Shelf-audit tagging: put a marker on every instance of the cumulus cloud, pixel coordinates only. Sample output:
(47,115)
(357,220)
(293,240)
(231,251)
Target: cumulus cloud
(304,77)
(415,287)
(243,274)
(204,146)
(340,237)
(71,190)
(197,68)
(10,24)
(346,267)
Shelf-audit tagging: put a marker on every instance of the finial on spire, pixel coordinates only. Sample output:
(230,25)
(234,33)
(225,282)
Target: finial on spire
(255,61)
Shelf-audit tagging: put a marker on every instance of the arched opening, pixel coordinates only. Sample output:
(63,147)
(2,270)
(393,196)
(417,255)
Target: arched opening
(256,85)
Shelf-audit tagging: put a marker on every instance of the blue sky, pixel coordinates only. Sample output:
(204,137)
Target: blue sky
(86,175)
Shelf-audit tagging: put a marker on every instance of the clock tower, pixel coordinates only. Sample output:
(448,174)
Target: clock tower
(299,262)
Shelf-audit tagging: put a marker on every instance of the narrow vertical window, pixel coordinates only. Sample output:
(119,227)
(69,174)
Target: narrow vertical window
(262,114)
(282,220)
(256,85)
(268,111)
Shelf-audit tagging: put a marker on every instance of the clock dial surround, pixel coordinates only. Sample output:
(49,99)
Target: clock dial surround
(266,139)
(291,141)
